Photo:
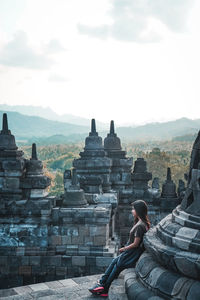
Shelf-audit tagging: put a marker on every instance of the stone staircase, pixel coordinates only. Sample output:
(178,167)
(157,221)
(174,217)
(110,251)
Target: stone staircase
(68,289)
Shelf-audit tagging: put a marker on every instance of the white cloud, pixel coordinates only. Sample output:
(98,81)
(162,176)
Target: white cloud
(18,53)
(98,31)
(57,78)
(109,78)
(54,46)
(132,20)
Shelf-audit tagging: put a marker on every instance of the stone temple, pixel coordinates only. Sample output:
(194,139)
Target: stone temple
(43,238)
(170,266)
(78,233)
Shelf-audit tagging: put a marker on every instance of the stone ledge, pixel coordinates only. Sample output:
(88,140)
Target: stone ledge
(70,289)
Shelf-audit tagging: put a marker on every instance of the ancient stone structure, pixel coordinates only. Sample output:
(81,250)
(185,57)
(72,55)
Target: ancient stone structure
(169,199)
(126,184)
(155,183)
(74,196)
(141,190)
(34,182)
(93,167)
(43,238)
(93,170)
(181,189)
(170,266)
(140,178)
(120,178)
(25,210)
(12,164)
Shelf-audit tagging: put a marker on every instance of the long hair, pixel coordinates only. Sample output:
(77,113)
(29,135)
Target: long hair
(141,209)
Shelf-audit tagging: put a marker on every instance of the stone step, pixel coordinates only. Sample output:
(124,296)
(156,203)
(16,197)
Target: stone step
(68,289)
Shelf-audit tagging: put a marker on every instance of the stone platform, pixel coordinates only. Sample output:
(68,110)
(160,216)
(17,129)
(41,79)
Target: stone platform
(68,289)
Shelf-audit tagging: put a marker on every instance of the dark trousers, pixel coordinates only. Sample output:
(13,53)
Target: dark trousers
(123,261)
(110,274)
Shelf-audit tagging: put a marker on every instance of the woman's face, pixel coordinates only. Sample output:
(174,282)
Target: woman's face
(134,213)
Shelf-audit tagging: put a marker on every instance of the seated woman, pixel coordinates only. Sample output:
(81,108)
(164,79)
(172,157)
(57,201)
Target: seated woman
(130,253)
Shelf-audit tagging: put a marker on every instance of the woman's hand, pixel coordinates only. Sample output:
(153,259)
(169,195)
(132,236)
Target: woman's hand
(122,249)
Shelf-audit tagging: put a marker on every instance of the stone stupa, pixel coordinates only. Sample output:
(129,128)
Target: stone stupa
(169,198)
(93,167)
(120,178)
(12,164)
(170,268)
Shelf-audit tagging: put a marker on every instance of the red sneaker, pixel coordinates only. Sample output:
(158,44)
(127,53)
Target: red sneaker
(104,294)
(97,289)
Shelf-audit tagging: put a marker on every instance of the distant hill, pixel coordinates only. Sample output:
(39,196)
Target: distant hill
(160,131)
(31,128)
(27,127)
(48,113)
(185,138)
(57,139)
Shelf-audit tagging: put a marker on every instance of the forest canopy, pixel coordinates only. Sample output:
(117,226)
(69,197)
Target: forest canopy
(159,156)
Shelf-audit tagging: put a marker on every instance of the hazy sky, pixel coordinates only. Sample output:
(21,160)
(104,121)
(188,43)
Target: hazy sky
(133,61)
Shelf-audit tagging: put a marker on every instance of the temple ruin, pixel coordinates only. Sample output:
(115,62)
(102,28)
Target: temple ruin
(169,268)
(45,238)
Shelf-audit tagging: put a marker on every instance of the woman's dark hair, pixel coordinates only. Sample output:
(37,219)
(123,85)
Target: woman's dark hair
(140,207)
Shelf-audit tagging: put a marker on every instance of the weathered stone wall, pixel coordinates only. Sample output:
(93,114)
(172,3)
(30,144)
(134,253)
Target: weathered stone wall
(41,243)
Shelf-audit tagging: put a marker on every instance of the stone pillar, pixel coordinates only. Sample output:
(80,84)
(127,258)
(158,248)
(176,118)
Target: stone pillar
(140,178)
(155,183)
(141,190)
(181,189)
(74,196)
(93,167)
(11,164)
(34,183)
(67,179)
(169,199)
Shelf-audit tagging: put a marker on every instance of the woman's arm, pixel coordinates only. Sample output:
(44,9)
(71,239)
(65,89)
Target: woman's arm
(135,244)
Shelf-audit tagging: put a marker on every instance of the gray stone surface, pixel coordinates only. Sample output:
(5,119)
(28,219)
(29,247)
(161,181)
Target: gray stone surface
(70,289)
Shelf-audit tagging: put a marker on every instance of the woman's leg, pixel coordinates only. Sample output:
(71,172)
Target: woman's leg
(110,274)
(108,271)
(113,275)
(121,262)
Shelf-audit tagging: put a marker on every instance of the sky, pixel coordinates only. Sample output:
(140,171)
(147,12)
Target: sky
(132,61)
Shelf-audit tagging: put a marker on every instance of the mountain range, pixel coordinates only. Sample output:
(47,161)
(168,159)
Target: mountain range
(23,126)
(48,113)
(28,129)
(161,131)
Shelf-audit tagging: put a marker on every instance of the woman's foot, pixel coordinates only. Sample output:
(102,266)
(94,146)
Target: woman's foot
(98,289)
